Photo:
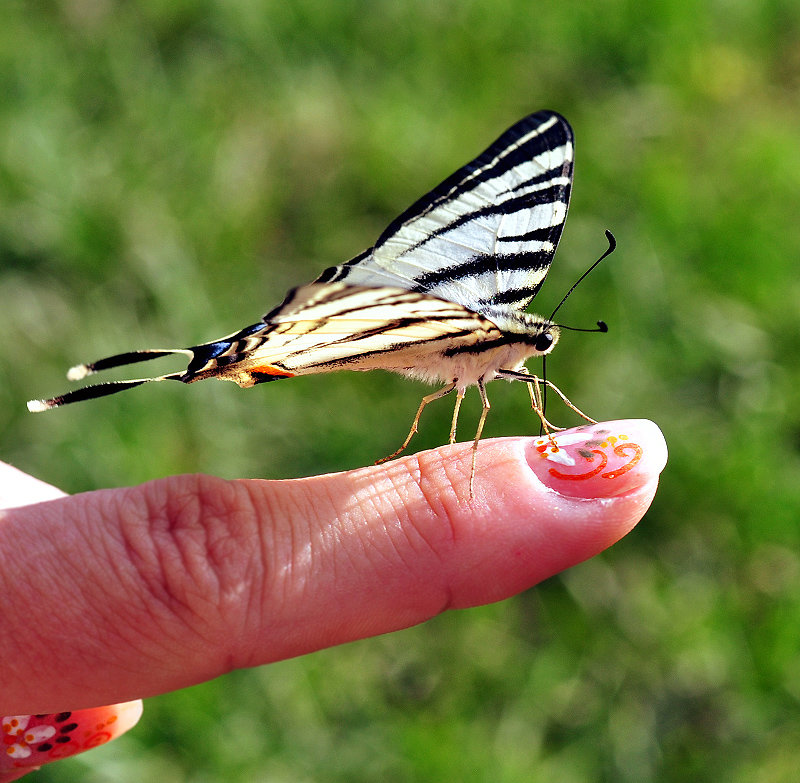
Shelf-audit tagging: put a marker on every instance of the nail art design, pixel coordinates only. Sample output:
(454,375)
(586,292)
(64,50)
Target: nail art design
(32,740)
(593,453)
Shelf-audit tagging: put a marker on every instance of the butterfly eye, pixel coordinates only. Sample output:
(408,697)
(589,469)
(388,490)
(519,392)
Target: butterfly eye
(543,342)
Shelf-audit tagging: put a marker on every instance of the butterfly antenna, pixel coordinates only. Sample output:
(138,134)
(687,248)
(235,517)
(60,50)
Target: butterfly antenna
(544,396)
(601,325)
(81,371)
(612,246)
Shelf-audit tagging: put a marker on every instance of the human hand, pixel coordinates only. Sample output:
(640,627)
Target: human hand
(118,594)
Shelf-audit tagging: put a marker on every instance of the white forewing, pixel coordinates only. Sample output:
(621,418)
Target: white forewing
(487,234)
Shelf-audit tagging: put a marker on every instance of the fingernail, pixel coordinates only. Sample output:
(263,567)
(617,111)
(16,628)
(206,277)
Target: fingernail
(29,741)
(599,460)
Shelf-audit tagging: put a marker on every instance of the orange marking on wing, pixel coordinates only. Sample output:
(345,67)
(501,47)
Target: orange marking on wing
(269,369)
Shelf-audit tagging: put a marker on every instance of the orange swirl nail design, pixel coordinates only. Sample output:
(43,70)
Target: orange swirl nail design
(595,452)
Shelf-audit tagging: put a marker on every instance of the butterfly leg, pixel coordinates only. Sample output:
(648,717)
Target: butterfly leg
(414,427)
(481,422)
(533,389)
(459,397)
(569,403)
(523,374)
(537,403)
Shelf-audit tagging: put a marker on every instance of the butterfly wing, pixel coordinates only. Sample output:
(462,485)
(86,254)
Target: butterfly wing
(323,327)
(486,236)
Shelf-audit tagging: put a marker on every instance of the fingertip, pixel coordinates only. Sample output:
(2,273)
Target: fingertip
(526,523)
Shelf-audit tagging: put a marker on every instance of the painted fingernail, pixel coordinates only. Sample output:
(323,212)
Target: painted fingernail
(30,741)
(599,460)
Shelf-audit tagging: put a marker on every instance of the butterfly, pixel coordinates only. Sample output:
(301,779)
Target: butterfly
(440,297)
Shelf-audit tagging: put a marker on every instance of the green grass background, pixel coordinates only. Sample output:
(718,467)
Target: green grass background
(168,168)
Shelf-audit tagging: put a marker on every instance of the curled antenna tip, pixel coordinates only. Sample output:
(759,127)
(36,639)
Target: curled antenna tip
(602,326)
(612,244)
(37,406)
(78,372)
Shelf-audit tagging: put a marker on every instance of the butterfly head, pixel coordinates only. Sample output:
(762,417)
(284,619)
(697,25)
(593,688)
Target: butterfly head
(539,334)
(535,334)
(544,341)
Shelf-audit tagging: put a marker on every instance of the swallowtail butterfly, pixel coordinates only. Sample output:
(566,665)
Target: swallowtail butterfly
(441,296)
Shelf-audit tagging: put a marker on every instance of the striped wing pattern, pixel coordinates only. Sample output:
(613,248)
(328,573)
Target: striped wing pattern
(486,236)
(334,326)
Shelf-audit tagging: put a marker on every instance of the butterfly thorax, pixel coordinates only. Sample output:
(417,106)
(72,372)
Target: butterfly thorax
(505,344)
(521,326)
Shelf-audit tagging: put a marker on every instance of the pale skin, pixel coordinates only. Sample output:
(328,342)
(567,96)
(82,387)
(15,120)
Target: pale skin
(164,585)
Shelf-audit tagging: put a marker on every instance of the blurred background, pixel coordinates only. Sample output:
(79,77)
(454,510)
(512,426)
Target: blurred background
(168,168)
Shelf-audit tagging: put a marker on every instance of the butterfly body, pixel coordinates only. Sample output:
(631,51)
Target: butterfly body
(441,296)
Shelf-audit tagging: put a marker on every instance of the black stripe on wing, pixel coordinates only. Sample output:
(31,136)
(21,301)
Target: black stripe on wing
(482,265)
(335,273)
(485,262)
(499,158)
(542,234)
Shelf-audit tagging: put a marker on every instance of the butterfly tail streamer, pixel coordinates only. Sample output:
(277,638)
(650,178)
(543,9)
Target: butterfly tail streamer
(95,391)
(200,355)
(80,371)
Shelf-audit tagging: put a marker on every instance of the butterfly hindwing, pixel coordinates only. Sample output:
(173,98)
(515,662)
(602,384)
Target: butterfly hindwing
(320,327)
(487,234)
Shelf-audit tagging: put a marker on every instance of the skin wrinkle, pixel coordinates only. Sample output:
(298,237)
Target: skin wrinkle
(274,566)
(444,505)
(134,548)
(400,494)
(419,468)
(402,536)
(372,503)
(418,475)
(172,527)
(235,555)
(126,626)
(37,591)
(377,544)
(290,575)
(320,539)
(184,541)
(233,521)
(350,523)
(89,631)
(273,539)
(80,574)
(347,534)
(149,530)
(371,539)
(410,487)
